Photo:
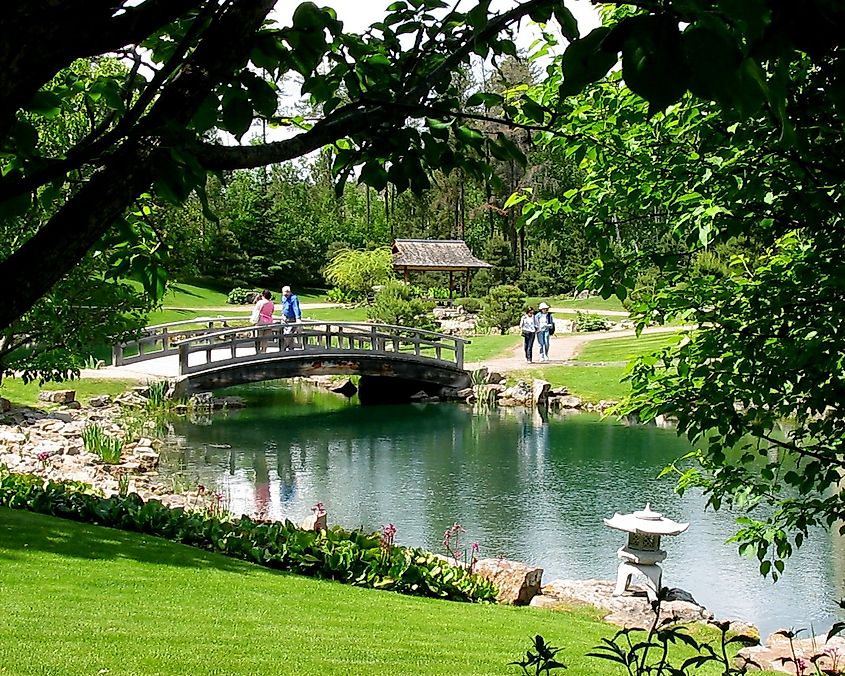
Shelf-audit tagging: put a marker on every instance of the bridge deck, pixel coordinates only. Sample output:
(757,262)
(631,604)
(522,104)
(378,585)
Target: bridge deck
(212,346)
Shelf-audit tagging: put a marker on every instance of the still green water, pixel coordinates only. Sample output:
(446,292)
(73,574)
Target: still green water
(523,487)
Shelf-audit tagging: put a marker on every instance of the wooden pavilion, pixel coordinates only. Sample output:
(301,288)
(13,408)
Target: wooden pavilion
(435,255)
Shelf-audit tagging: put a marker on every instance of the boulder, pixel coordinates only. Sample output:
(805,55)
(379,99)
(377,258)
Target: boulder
(466,392)
(5,405)
(494,378)
(481,375)
(12,435)
(517,582)
(540,391)
(521,393)
(769,657)
(558,391)
(99,401)
(61,417)
(57,396)
(131,399)
(72,406)
(632,609)
(141,390)
(568,401)
(145,457)
(47,447)
(201,400)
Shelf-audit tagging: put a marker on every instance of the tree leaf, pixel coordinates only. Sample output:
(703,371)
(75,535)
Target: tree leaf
(237,116)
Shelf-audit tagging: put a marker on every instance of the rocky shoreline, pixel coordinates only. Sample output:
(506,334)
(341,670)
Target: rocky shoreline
(49,444)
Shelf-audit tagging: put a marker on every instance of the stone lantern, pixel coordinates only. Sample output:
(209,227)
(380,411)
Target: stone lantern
(642,553)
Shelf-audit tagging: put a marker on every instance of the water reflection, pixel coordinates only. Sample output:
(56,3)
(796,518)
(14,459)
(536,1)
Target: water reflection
(525,486)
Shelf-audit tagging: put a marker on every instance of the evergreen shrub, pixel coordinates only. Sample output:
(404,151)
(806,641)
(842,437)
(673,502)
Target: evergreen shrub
(395,304)
(469,304)
(241,296)
(503,307)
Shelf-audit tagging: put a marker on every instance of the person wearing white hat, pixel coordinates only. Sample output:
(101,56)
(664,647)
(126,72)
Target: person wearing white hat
(545,328)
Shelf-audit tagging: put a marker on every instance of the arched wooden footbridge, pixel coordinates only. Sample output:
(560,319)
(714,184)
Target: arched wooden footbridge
(209,353)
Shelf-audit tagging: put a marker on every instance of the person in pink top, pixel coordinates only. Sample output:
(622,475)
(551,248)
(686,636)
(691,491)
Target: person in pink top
(263,314)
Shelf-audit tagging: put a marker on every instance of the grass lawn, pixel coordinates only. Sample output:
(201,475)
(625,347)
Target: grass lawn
(591,383)
(337,314)
(81,599)
(190,296)
(595,303)
(624,349)
(167,315)
(490,347)
(15,391)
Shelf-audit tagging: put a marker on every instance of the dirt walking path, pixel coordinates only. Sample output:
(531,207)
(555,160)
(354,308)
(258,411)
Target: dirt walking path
(562,349)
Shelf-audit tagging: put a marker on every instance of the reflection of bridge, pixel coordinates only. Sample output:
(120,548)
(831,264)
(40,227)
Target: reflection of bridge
(207,353)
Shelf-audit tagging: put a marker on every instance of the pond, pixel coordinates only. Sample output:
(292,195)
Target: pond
(525,488)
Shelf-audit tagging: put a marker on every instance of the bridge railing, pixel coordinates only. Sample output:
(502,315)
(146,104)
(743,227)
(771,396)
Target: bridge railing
(231,346)
(160,340)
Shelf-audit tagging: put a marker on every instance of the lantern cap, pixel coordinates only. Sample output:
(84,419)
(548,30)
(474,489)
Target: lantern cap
(646,522)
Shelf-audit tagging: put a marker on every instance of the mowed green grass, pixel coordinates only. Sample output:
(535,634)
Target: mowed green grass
(591,383)
(81,599)
(490,347)
(625,349)
(21,394)
(337,314)
(594,303)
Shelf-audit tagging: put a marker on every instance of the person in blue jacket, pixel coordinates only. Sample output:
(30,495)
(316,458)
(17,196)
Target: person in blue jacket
(291,314)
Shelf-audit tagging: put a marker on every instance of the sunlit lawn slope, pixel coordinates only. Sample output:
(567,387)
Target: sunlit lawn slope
(81,599)
(624,349)
(22,394)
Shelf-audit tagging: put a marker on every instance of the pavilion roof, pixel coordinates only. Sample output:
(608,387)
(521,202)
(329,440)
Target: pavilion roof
(434,254)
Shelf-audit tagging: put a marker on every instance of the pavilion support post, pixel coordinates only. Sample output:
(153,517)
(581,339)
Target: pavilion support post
(451,284)
(407,277)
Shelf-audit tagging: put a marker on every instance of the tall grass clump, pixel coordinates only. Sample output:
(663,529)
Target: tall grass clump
(98,442)
(157,398)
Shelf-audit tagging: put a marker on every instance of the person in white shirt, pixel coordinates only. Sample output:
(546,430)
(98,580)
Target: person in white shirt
(528,327)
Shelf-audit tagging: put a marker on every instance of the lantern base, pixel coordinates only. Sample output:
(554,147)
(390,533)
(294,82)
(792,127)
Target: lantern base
(652,572)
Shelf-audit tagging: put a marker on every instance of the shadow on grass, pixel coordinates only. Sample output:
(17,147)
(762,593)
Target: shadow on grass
(22,531)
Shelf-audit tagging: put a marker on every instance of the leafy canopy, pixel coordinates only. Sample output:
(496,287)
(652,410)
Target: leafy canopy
(719,141)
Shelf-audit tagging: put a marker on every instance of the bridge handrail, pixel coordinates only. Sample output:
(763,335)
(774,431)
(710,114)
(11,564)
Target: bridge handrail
(367,325)
(196,320)
(317,337)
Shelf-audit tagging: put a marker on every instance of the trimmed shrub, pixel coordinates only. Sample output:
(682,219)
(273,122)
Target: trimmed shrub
(585,322)
(353,557)
(469,304)
(395,304)
(503,307)
(241,296)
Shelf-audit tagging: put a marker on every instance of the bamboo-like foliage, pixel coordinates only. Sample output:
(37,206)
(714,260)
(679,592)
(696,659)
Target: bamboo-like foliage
(357,271)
